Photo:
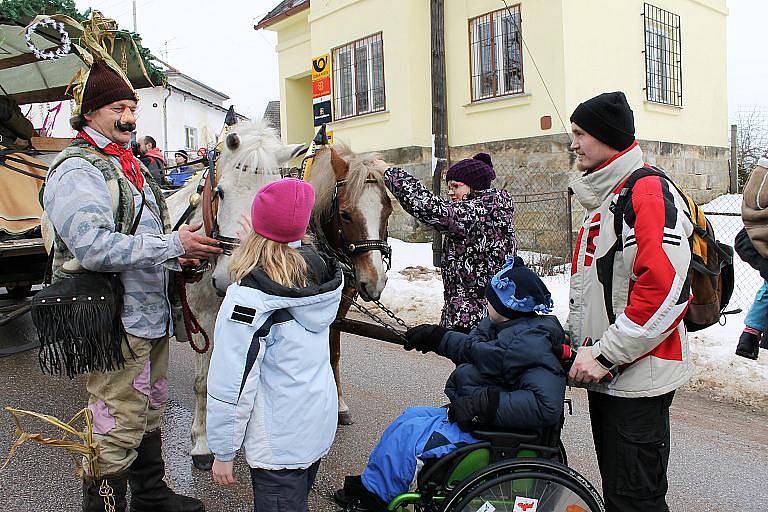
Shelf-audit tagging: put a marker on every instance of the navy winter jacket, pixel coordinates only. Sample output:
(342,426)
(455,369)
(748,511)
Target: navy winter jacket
(515,357)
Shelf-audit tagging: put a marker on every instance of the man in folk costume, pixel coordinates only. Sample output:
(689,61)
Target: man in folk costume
(629,296)
(95,191)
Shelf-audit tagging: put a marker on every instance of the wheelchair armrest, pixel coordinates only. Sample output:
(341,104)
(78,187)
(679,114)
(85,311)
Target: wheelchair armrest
(506,438)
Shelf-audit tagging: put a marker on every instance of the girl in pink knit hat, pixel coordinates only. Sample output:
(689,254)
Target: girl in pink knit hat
(271,391)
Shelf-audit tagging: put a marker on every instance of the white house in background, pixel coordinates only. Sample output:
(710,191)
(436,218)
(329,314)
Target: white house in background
(186,114)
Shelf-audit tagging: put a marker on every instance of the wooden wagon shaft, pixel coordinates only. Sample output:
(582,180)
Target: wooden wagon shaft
(366,329)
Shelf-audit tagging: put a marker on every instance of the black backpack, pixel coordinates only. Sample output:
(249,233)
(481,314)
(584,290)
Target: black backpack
(711,272)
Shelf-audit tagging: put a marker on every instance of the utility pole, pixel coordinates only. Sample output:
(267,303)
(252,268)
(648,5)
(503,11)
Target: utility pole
(734,186)
(439,110)
(134,16)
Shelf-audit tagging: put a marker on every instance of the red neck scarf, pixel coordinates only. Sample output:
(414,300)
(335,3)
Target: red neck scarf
(128,162)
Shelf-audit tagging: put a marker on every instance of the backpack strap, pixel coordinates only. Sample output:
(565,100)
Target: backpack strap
(604,264)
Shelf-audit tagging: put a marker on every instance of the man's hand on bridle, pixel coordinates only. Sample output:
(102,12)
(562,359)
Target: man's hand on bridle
(197,246)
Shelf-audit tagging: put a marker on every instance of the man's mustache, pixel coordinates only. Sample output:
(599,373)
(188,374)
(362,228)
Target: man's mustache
(125,127)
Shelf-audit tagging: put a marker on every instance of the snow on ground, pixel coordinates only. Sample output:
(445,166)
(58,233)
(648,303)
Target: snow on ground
(414,292)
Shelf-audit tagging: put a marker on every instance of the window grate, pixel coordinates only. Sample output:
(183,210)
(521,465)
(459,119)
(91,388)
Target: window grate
(496,56)
(663,56)
(358,77)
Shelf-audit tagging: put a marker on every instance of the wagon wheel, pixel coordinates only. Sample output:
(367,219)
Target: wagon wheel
(19,291)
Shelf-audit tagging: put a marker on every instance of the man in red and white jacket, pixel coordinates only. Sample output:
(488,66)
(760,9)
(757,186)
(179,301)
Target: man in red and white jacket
(629,297)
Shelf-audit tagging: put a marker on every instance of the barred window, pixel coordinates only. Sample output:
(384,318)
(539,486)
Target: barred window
(663,66)
(358,77)
(496,54)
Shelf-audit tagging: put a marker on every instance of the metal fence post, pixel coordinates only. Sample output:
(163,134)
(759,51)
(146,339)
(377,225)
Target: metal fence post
(569,220)
(734,167)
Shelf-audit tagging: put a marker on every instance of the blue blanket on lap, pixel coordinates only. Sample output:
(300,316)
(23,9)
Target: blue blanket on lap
(417,435)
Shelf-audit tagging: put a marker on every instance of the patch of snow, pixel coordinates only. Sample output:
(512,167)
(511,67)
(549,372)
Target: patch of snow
(414,292)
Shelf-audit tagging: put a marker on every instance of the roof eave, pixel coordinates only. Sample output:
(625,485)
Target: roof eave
(283,15)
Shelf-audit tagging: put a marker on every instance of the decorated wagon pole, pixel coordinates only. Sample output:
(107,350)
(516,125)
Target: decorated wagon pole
(320,141)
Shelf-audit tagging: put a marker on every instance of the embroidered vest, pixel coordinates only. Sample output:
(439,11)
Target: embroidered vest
(65,264)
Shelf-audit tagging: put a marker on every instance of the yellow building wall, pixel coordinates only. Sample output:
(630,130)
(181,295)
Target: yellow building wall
(294,61)
(509,117)
(581,47)
(404,25)
(612,58)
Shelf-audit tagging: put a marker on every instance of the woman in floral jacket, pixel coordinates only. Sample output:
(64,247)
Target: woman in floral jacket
(478,224)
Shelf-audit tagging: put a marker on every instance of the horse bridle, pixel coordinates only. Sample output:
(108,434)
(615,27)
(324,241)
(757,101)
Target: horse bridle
(355,247)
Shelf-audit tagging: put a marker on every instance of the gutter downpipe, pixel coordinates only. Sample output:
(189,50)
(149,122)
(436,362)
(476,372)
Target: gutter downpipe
(165,121)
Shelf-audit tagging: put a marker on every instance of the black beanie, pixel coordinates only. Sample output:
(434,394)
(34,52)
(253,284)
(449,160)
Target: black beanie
(607,118)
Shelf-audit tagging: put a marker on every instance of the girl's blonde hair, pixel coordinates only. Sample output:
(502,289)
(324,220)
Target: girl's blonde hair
(283,264)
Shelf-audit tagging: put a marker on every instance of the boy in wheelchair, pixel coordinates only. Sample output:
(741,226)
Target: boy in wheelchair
(508,376)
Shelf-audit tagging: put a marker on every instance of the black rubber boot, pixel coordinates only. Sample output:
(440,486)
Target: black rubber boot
(149,492)
(749,345)
(764,340)
(105,494)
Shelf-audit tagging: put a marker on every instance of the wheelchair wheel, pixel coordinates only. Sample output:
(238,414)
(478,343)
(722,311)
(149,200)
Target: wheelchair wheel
(531,485)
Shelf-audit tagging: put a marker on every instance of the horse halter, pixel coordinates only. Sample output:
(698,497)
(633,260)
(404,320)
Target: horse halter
(355,247)
(211,195)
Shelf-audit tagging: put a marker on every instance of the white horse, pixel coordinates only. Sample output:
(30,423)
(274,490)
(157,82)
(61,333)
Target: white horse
(251,156)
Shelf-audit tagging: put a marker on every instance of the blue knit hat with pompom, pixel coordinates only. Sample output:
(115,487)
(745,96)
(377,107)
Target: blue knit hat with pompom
(517,289)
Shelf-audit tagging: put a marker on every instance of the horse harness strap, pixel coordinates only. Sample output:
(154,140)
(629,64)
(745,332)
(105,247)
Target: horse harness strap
(354,247)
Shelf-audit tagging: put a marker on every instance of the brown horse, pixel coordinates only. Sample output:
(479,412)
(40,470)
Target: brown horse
(350,217)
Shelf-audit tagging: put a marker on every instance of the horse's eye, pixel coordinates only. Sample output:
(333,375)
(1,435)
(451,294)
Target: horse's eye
(346,217)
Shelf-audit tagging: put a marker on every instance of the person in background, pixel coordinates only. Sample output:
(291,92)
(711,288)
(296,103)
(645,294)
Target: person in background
(754,250)
(179,176)
(271,389)
(152,158)
(477,222)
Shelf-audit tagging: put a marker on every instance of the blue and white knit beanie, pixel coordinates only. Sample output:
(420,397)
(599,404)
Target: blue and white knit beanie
(517,289)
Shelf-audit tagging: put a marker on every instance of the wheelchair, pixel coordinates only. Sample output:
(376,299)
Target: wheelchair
(506,472)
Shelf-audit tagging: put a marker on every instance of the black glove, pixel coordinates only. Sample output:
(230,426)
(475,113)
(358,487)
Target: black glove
(472,411)
(424,337)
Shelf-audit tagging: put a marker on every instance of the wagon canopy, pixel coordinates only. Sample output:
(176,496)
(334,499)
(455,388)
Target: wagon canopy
(27,79)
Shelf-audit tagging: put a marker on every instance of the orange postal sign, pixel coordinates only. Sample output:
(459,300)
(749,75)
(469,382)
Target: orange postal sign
(321,76)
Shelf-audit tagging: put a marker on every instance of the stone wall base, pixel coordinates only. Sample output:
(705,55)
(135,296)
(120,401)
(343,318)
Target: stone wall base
(537,171)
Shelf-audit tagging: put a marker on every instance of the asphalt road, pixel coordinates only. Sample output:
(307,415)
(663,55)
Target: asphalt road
(719,456)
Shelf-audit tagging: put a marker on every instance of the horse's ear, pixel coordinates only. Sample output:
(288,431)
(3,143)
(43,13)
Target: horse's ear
(339,166)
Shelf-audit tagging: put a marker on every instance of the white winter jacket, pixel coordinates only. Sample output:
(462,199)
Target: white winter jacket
(270,385)
(646,282)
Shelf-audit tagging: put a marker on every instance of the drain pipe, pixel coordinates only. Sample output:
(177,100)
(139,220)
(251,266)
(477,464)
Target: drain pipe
(165,121)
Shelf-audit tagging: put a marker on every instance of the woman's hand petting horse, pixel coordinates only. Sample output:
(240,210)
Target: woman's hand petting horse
(196,245)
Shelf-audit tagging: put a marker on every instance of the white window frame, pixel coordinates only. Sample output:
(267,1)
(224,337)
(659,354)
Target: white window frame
(190,135)
(480,69)
(373,99)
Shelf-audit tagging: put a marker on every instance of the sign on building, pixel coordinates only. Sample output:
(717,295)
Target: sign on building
(321,89)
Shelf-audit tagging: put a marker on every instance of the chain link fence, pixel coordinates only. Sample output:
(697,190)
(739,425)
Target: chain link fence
(724,213)
(543,216)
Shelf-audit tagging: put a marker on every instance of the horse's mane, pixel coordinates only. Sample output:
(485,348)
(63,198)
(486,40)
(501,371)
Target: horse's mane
(323,178)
